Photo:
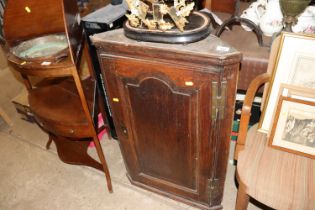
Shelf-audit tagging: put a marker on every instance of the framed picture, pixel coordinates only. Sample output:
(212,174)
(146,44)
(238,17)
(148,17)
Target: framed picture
(293,129)
(292,91)
(306,94)
(295,65)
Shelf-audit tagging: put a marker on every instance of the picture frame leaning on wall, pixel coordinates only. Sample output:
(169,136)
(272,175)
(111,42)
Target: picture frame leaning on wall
(295,65)
(293,129)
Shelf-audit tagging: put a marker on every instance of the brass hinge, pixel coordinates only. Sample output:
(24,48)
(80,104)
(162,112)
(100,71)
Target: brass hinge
(218,100)
(213,189)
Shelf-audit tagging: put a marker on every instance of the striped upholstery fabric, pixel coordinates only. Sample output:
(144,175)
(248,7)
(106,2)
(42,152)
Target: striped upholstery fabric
(279,179)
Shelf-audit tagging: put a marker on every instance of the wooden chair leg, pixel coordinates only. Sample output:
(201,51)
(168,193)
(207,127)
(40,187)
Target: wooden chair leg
(104,164)
(50,139)
(242,198)
(5,117)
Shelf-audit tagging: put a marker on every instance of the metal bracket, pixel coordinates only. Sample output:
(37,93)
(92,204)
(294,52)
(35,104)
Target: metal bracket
(213,188)
(218,100)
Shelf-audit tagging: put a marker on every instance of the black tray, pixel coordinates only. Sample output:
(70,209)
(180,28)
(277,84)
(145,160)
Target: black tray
(198,28)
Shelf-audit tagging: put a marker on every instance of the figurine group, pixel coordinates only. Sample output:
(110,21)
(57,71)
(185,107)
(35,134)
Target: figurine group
(156,14)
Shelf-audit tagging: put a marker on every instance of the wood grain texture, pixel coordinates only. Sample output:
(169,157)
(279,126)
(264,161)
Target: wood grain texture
(227,6)
(161,100)
(59,116)
(44,17)
(75,151)
(163,120)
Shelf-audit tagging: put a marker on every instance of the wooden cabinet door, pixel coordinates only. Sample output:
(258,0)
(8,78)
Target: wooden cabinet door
(163,119)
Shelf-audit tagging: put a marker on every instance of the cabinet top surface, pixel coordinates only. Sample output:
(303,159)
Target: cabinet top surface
(210,46)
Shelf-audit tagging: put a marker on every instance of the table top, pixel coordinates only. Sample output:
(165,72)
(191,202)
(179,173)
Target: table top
(209,46)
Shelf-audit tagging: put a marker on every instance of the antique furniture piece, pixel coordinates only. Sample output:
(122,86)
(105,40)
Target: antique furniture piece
(172,108)
(274,177)
(63,107)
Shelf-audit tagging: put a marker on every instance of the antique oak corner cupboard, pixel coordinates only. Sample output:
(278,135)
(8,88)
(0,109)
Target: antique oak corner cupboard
(172,106)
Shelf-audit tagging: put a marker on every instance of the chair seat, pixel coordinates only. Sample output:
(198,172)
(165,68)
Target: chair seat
(276,178)
(58,109)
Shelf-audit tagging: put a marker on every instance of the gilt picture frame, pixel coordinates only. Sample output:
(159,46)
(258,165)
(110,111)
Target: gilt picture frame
(295,65)
(293,129)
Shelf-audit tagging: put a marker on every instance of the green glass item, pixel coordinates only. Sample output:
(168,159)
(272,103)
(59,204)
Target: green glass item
(291,9)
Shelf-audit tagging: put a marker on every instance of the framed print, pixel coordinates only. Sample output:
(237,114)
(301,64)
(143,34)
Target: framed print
(292,91)
(295,65)
(293,129)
